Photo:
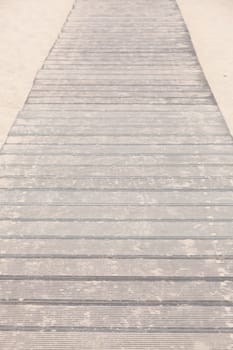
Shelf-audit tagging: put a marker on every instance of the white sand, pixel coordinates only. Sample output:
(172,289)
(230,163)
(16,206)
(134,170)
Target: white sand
(210,23)
(28,29)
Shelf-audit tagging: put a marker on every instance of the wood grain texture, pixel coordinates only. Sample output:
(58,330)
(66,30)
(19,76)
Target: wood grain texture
(116,192)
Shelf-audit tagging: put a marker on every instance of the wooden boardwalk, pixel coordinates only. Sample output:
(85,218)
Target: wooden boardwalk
(116,215)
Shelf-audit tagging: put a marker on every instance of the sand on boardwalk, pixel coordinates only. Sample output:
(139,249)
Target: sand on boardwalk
(210,23)
(28,29)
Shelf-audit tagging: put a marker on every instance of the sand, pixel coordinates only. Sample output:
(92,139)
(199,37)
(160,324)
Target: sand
(210,23)
(28,29)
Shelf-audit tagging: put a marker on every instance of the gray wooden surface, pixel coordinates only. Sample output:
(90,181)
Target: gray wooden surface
(116,213)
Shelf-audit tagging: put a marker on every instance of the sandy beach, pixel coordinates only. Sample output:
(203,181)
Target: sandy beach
(211,28)
(28,29)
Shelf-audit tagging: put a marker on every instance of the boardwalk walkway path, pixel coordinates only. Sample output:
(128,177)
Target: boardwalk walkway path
(116,192)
